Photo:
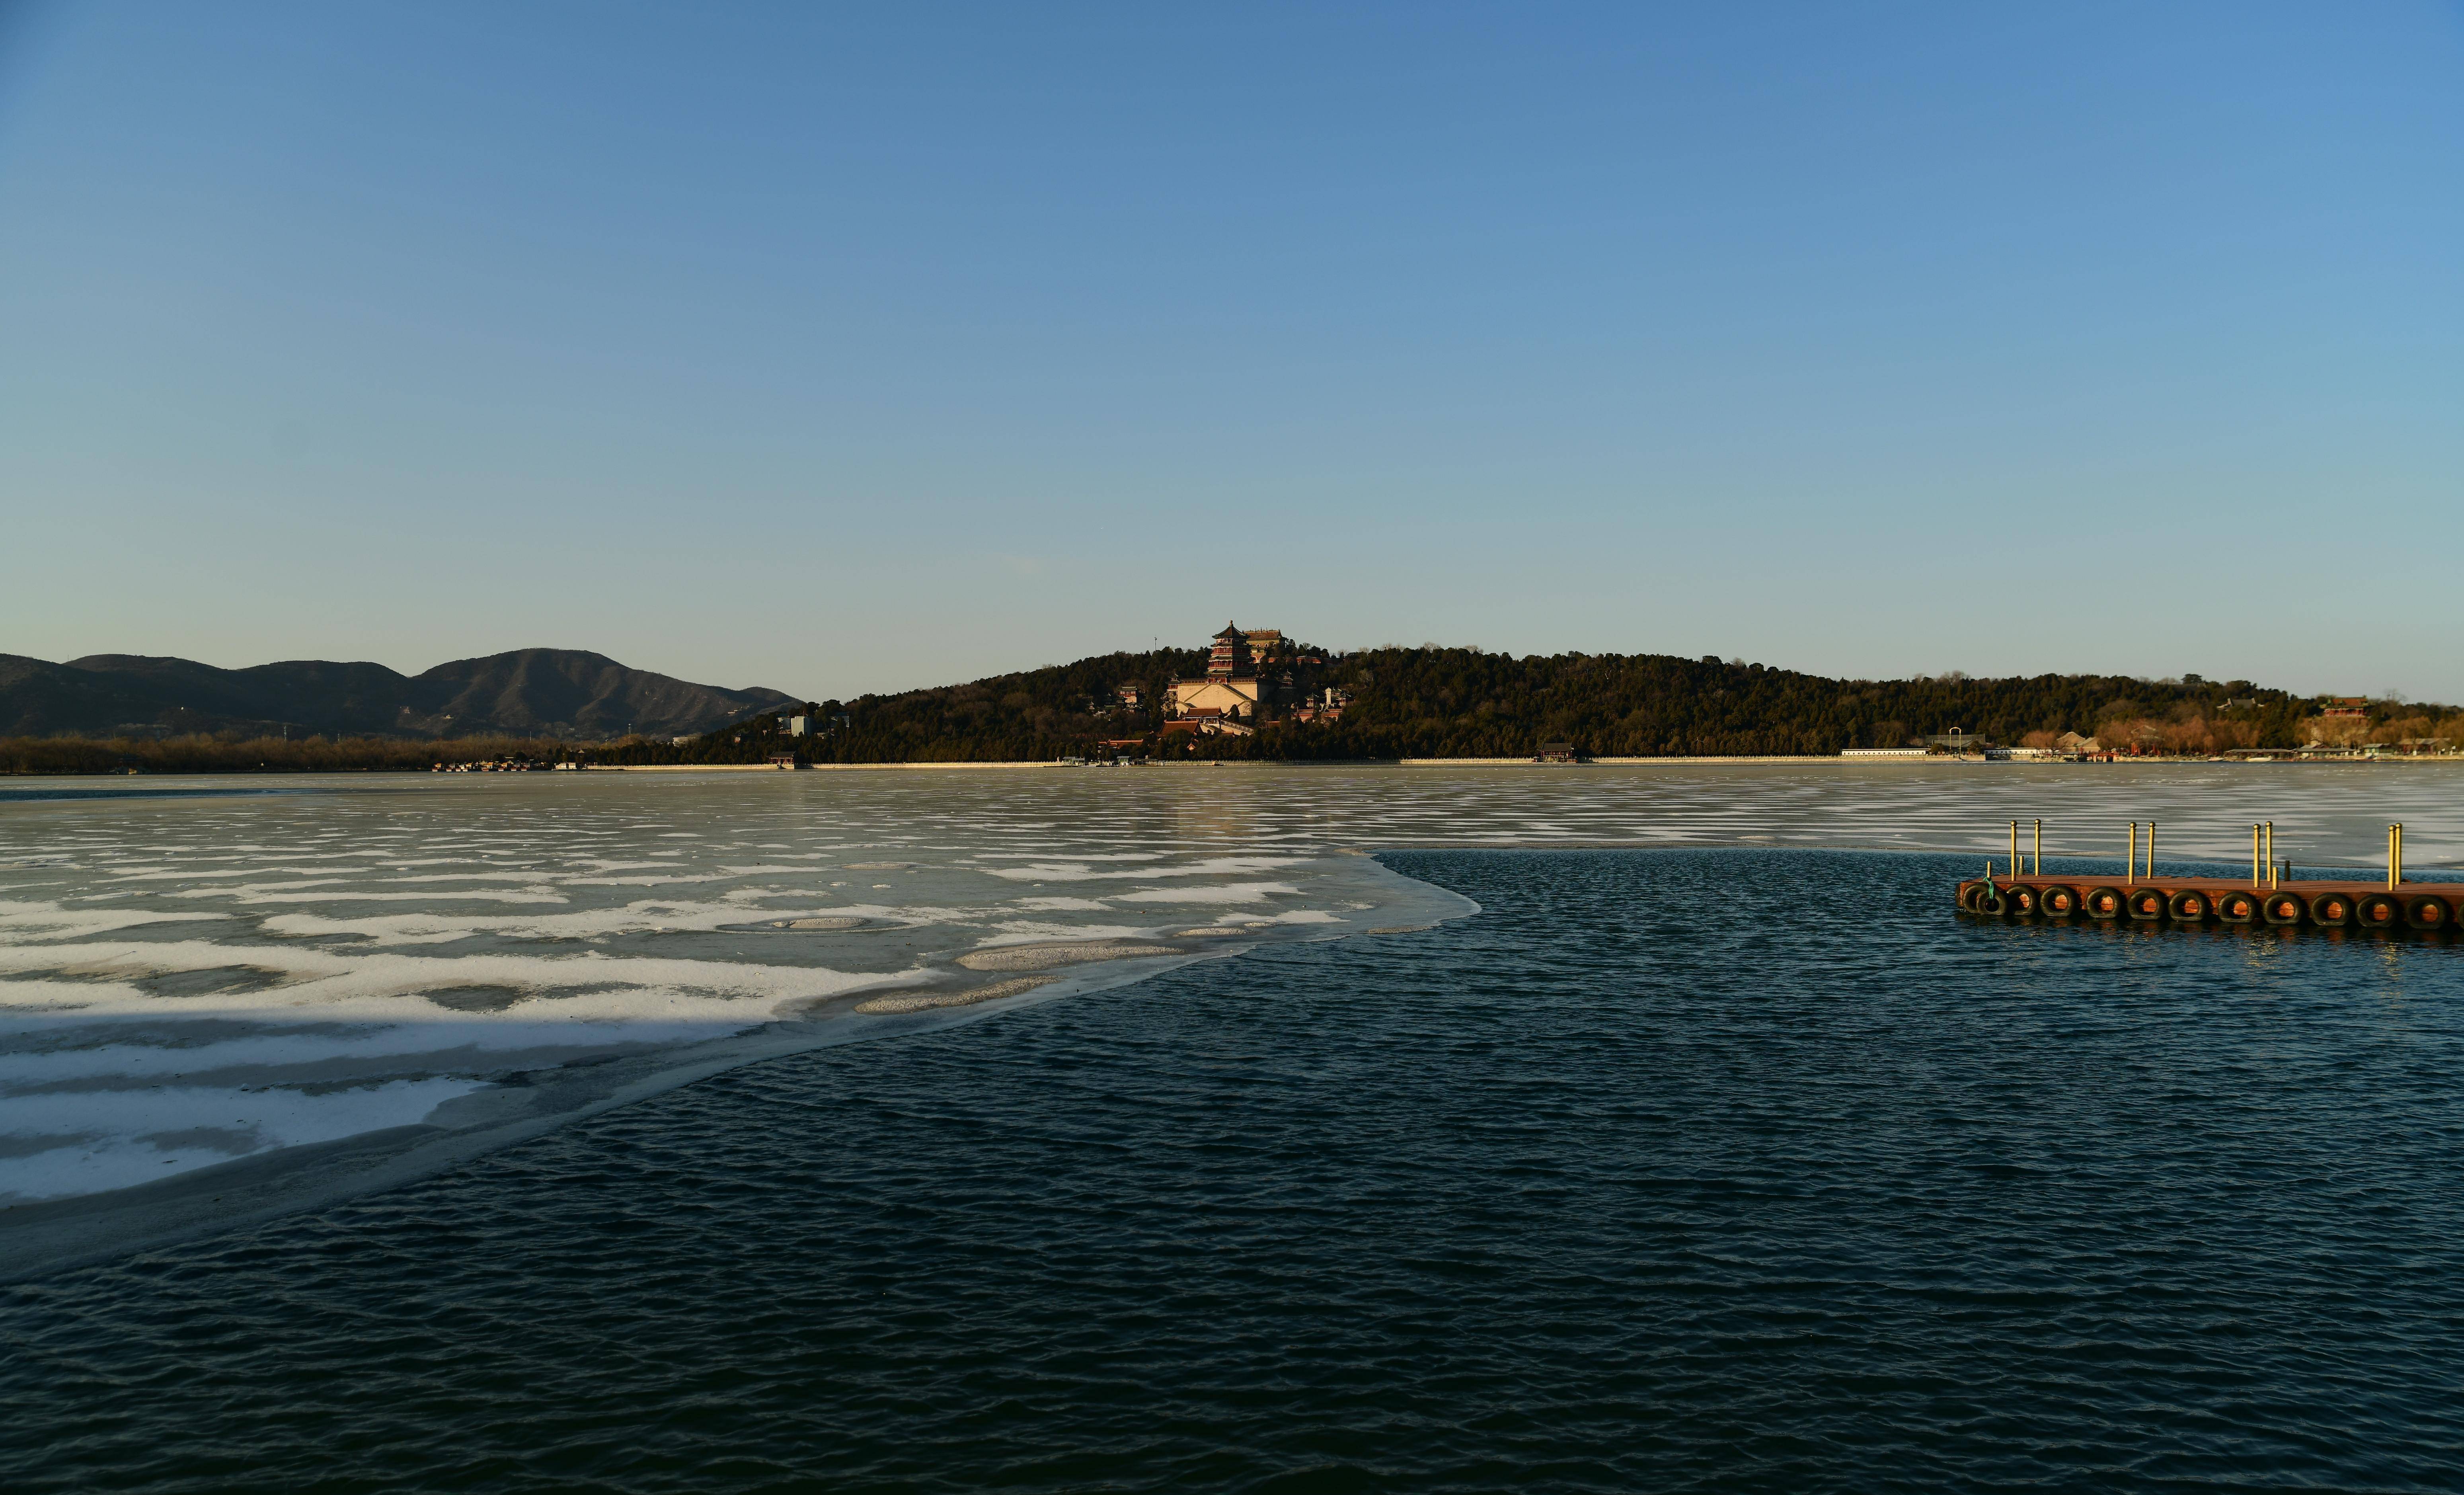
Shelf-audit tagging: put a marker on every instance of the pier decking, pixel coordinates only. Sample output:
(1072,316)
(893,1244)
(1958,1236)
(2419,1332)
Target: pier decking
(2271,895)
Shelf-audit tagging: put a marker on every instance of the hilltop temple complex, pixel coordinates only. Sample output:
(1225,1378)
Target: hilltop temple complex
(1248,683)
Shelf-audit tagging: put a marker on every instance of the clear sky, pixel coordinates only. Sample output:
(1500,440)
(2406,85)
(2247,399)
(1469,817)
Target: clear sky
(862,347)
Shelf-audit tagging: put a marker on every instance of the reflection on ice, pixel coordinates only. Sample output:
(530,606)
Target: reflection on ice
(1078,869)
(1221,893)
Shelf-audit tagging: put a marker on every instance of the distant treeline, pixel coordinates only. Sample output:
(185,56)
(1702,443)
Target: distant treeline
(1469,703)
(1465,703)
(1057,711)
(227,754)
(1405,703)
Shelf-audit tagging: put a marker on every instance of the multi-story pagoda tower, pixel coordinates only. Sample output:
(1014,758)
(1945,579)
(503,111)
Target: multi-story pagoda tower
(1230,658)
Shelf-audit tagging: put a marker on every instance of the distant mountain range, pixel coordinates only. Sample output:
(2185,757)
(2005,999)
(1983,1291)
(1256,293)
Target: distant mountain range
(531,692)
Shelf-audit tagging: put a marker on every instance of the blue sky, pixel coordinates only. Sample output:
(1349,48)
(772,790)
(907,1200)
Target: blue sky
(842,349)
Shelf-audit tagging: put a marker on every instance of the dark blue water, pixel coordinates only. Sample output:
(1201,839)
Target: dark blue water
(1670,1170)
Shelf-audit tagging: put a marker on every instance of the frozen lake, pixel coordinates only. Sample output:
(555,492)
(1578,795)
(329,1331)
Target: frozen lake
(197,972)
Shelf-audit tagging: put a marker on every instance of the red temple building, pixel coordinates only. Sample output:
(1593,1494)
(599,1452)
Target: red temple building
(1230,658)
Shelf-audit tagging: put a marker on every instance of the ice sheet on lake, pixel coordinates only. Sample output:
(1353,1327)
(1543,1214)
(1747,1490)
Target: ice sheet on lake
(188,981)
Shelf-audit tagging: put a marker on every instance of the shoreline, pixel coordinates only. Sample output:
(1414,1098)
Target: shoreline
(1319,763)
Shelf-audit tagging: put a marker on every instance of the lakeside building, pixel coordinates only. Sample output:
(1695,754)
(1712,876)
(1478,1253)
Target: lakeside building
(1959,739)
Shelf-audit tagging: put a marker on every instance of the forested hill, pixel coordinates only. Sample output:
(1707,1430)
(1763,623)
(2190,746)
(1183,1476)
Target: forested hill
(1467,703)
(1464,703)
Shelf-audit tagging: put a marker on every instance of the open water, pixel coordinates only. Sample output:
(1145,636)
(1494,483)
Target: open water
(1682,1167)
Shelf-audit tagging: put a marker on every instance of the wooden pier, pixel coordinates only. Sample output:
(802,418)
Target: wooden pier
(2271,895)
